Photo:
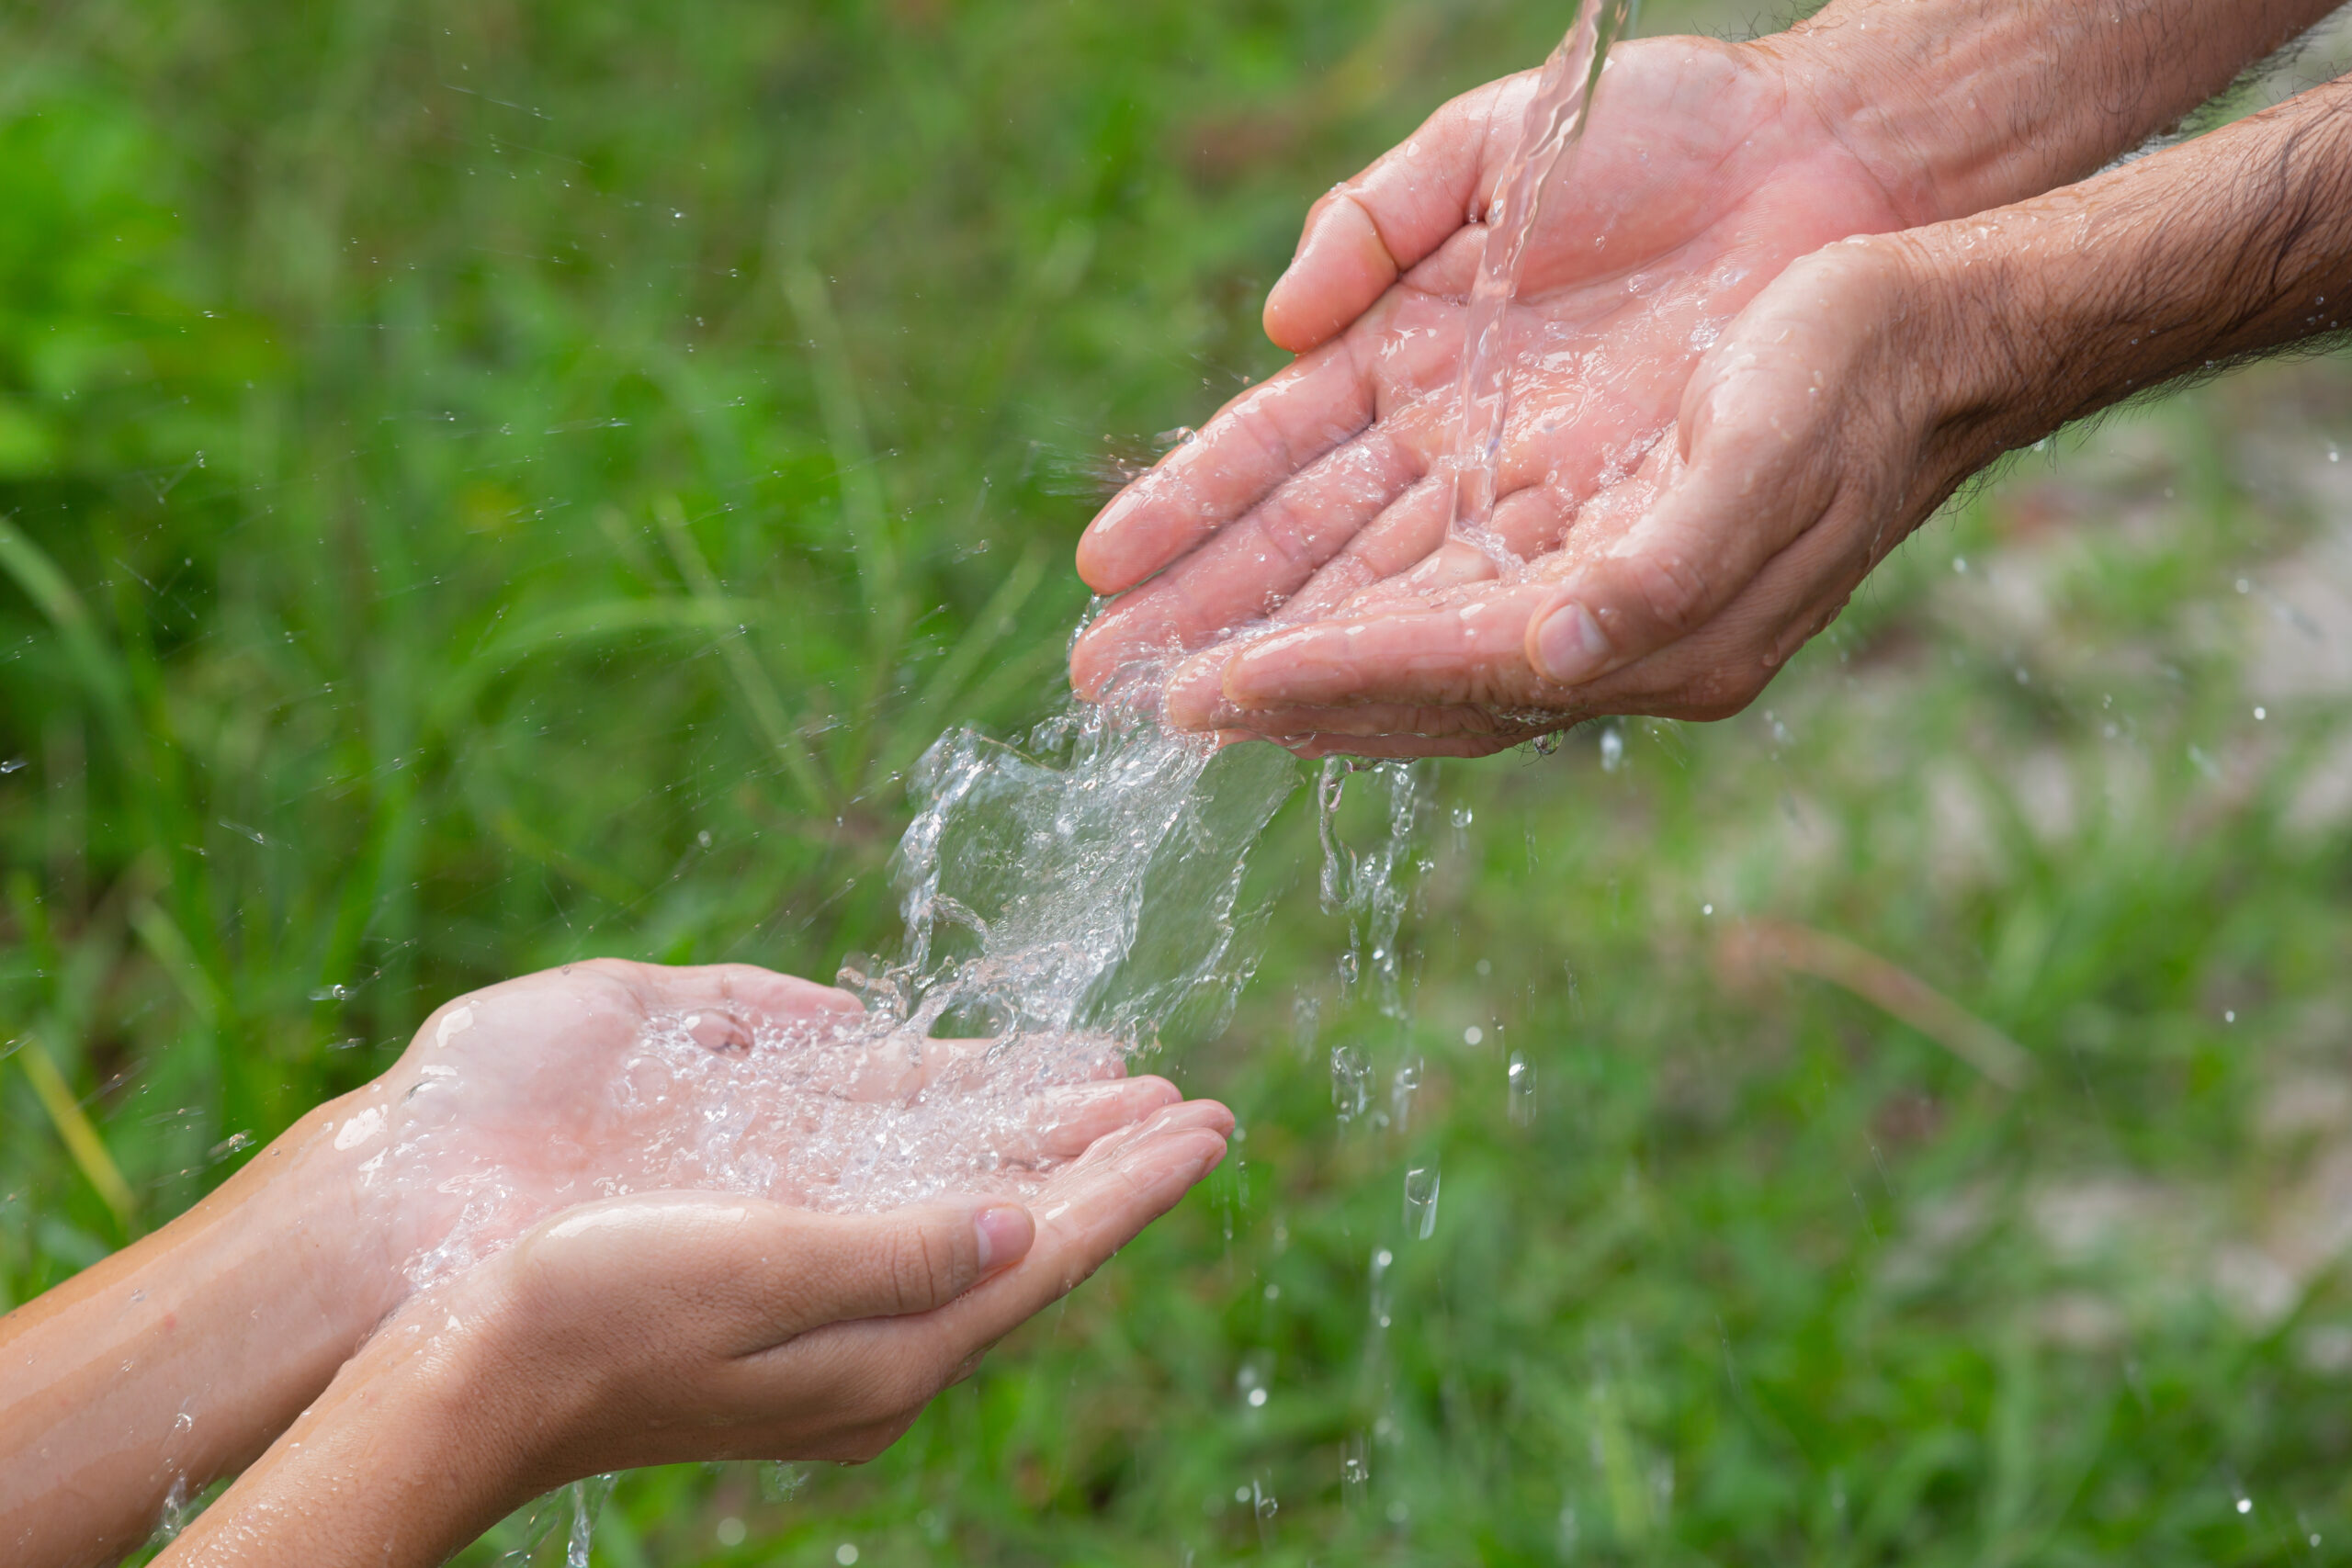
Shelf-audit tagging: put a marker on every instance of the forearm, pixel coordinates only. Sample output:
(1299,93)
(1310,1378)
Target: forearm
(1965,105)
(423,1441)
(2235,244)
(178,1358)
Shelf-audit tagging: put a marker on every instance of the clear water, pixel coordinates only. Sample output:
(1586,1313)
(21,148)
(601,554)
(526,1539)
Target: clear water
(1555,120)
(1065,895)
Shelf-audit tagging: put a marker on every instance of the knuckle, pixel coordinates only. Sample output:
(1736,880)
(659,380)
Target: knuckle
(1669,586)
(917,1271)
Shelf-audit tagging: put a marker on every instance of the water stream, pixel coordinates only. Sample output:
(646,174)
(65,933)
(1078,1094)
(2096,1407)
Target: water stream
(1553,122)
(1069,894)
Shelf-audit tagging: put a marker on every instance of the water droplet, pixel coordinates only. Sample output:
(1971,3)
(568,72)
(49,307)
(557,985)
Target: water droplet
(845,1553)
(2245,1505)
(1474,1035)
(1522,1089)
(1547,743)
(1257,1398)
(1420,1202)
(731,1531)
(2260,714)
(1613,747)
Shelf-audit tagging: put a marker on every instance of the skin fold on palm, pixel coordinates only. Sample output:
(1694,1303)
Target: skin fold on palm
(1309,516)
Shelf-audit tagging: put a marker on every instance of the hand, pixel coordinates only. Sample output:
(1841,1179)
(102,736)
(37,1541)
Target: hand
(1664,571)
(1810,444)
(608,1078)
(180,1358)
(677,1327)
(1706,169)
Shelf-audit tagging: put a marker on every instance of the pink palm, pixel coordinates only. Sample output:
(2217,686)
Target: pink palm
(1318,499)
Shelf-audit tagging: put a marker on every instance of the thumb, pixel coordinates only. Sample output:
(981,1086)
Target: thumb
(1362,236)
(841,1267)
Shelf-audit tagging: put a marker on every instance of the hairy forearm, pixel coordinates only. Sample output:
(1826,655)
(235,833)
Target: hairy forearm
(1965,105)
(2237,242)
(178,1358)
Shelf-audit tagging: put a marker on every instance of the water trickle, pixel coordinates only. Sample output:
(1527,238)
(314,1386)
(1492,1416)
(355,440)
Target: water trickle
(1420,1202)
(1555,120)
(1522,1090)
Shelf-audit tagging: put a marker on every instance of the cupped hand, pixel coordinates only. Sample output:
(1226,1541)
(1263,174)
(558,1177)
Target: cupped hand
(678,1326)
(693,1327)
(608,1078)
(1324,492)
(1814,437)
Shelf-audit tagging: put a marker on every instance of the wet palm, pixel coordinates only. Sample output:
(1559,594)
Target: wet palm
(542,1092)
(1320,498)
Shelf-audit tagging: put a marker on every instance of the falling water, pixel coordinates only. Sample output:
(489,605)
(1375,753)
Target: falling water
(1555,120)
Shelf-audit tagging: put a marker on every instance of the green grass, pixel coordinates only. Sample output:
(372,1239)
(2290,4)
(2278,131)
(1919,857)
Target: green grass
(491,484)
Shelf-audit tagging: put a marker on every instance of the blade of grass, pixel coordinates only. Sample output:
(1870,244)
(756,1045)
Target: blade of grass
(997,620)
(170,947)
(74,1128)
(1887,986)
(46,587)
(750,676)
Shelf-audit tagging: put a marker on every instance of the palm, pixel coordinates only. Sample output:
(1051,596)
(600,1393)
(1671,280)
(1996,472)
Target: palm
(609,1078)
(1325,491)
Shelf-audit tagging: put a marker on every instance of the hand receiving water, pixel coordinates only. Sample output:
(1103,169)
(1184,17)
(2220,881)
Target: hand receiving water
(677,1327)
(577,1101)
(1320,498)
(608,1078)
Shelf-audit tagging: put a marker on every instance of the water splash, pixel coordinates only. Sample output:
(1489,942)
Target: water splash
(1555,120)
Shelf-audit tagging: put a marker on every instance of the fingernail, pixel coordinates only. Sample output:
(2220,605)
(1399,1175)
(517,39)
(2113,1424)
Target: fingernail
(1004,1233)
(1569,647)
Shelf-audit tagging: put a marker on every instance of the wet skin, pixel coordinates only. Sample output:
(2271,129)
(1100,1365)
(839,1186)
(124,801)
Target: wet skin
(1722,419)
(663,1325)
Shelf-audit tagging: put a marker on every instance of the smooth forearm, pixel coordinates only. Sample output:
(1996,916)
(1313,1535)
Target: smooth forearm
(178,1358)
(1965,105)
(425,1439)
(2235,244)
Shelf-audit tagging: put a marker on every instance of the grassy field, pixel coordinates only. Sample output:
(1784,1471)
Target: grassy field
(491,484)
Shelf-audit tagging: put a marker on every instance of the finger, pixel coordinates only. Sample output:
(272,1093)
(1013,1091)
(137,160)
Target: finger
(1465,743)
(1249,567)
(1471,651)
(1256,442)
(1720,669)
(1070,1120)
(1413,524)
(1087,1213)
(1209,709)
(1363,235)
(1754,474)
(747,991)
(834,1268)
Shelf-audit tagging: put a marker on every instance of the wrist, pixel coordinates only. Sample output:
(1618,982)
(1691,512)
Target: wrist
(451,1429)
(1960,106)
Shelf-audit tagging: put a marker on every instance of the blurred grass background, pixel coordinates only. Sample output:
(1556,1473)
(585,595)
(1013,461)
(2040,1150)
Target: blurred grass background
(491,484)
